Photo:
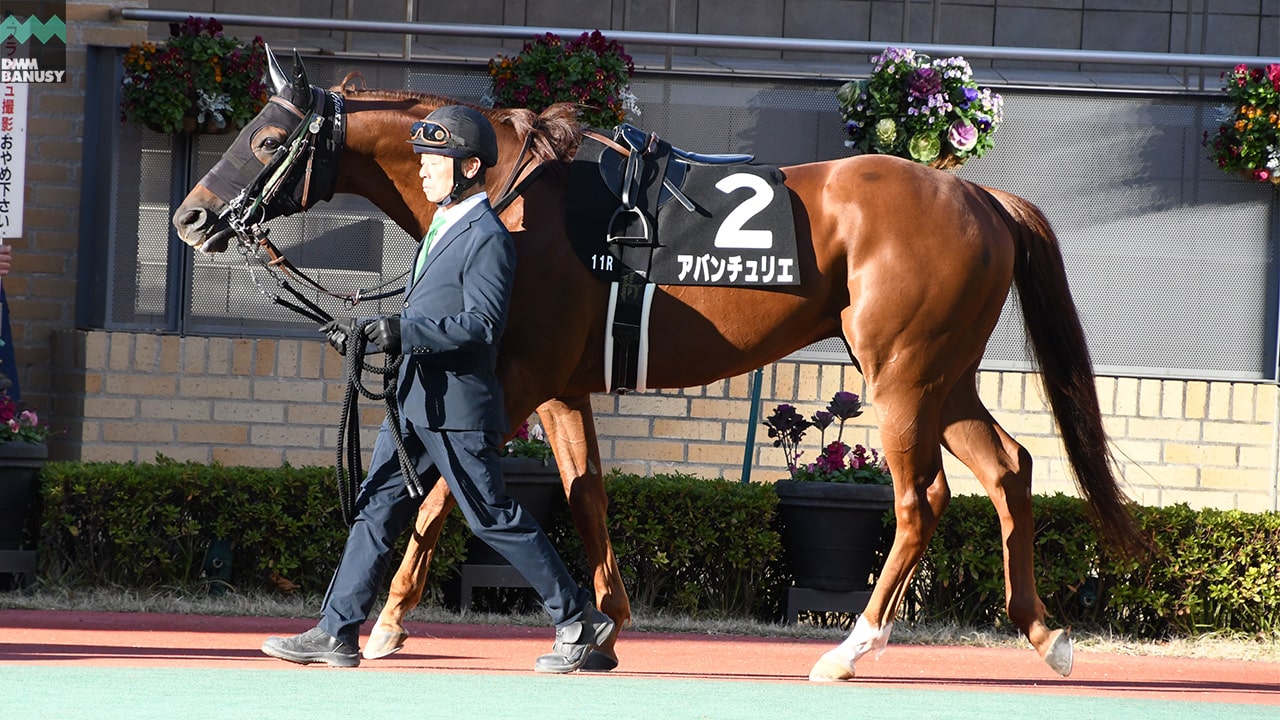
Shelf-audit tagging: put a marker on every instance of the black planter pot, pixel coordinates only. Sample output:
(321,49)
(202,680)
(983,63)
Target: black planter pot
(830,532)
(20,464)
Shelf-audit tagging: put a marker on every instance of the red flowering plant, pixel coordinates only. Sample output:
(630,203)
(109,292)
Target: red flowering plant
(591,71)
(199,78)
(20,425)
(529,442)
(1248,142)
(836,461)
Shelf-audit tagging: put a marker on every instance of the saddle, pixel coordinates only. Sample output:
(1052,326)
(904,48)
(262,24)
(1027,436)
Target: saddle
(644,172)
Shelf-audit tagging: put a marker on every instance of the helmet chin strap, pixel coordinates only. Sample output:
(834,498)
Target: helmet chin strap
(461,183)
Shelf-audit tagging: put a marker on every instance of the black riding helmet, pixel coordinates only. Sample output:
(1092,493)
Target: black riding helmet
(458,132)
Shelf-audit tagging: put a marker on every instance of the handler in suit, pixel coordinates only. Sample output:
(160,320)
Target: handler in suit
(451,406)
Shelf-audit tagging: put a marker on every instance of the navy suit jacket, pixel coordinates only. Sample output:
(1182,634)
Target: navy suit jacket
(453,317)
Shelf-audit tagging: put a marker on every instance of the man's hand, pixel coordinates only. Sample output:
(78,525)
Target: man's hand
(385,333)
(336,333)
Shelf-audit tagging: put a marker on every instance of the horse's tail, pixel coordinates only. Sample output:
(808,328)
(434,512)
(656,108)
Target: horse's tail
(1057,341)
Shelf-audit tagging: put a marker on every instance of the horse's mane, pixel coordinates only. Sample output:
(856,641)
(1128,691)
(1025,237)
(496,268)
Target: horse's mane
(555,131)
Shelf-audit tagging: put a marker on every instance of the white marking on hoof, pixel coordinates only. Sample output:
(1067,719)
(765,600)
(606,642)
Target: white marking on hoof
(838,664)
(382,643)
(834,666)
(1061,654)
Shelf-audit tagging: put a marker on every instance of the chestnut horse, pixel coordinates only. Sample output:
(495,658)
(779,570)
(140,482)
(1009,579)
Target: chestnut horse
(910,266)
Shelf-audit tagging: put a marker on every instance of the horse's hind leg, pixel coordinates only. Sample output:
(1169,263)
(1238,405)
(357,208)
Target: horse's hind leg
(909,432)
(1004,469)
(572,433)
(388,634)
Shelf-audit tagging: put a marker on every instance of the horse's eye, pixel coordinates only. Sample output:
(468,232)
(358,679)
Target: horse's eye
(271,144)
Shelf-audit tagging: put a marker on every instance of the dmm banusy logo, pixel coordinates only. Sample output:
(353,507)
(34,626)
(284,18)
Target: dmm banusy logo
(33,41)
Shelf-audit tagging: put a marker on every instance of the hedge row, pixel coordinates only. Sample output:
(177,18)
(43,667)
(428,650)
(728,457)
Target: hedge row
(683,544)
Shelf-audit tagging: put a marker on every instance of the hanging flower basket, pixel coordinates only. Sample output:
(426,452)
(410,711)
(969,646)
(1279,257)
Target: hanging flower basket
(199,81)
(1248,141)
(929,111)
(590,71)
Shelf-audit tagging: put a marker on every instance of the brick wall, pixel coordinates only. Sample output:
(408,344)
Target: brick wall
(266,402)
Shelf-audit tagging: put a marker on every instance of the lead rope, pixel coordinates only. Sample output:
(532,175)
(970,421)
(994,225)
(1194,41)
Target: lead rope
(349,466)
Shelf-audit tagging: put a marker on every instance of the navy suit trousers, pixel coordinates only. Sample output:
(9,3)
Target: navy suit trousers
(468,460)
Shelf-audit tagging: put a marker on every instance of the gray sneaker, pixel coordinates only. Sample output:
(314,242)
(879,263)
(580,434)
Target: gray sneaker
(312,646)
(575,642)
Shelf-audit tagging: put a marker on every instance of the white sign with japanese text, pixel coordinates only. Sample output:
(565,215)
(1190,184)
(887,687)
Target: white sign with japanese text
(13,156)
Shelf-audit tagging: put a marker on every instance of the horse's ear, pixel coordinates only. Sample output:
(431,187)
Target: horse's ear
(301,86)
(275,73)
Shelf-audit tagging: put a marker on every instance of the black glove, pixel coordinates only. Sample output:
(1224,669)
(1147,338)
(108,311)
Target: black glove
(336,333)
(385,333)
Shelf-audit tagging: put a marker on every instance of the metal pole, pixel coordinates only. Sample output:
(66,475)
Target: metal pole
(694,40)
(752,418)
(671,27)
(408,37)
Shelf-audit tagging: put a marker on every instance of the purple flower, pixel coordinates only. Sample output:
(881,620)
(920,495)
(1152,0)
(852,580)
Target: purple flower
(962,136)
(845,405)
(924,82)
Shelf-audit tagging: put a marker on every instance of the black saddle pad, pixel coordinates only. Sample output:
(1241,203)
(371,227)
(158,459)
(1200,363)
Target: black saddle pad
(741,231)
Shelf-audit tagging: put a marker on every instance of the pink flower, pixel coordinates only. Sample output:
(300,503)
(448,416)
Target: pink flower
(962,136)
(832,457)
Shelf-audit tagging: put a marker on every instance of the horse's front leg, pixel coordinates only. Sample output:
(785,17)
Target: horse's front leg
(388,635)
(572,433)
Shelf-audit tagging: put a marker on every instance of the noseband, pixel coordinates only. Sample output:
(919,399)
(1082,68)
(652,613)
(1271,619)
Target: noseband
(323,130)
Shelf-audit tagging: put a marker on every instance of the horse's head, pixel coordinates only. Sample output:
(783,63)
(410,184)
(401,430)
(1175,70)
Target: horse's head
(282,162)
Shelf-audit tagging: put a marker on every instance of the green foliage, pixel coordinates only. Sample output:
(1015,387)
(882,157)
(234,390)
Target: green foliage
(693,546)
(1214,570)
(147,525)
(684,544)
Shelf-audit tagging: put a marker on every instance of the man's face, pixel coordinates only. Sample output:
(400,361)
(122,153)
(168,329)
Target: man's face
(437,176)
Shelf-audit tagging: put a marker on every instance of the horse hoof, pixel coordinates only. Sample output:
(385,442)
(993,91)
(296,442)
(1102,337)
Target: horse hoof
(831,667)
(1061,654)
(600,661)
(382,643)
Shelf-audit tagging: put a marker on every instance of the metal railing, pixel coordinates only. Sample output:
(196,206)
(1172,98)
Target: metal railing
(696,40)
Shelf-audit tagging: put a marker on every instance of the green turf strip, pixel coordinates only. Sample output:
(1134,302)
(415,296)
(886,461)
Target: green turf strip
(315,693)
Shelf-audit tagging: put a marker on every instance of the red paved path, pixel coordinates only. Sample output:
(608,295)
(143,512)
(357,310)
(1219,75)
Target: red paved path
(153,640)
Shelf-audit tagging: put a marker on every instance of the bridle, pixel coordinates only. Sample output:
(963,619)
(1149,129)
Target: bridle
(312,148)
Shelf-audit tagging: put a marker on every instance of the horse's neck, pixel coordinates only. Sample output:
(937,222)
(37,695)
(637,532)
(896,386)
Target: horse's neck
(378,165)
